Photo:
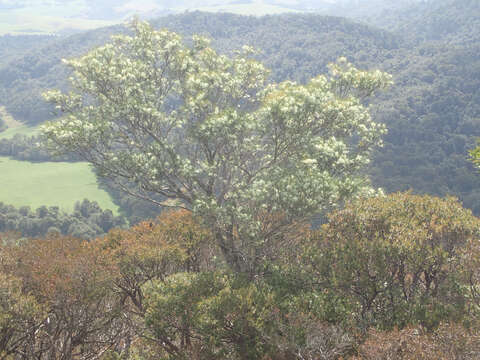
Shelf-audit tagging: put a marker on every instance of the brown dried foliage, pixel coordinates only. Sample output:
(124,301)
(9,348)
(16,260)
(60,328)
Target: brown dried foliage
(449,341)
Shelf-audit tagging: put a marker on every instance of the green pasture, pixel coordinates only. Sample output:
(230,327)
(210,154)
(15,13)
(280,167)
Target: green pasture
(23,183)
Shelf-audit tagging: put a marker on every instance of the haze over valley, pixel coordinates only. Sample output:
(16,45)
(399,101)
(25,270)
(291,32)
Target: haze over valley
(68,16)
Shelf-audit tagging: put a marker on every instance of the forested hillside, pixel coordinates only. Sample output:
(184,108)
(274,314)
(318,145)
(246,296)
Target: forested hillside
(432,112)
(433,118)
(24,77)
(294,47)
(11,47)
(450,20)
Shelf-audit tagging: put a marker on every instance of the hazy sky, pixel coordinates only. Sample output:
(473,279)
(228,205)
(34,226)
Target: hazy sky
(146,4)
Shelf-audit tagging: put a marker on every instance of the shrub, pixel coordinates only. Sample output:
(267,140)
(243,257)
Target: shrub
(449,341)
(396,260)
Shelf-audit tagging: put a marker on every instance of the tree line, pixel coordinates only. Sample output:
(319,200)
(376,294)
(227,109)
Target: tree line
(87,220)
(29,148)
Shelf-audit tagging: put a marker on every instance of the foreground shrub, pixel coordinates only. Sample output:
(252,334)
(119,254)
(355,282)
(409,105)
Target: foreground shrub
(215,315)
(396,260)
(20,316)
(70,281)
(154,250)
(387,278)
(447,342)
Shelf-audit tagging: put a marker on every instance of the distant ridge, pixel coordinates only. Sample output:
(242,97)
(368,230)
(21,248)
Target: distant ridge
(316,39)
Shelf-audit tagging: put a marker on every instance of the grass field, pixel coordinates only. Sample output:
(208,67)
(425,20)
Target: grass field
(22,129)
(49,183)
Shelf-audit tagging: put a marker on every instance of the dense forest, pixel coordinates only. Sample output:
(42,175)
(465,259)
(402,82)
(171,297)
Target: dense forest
(87,221)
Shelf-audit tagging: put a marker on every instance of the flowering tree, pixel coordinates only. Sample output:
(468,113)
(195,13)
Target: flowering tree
(207,133)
